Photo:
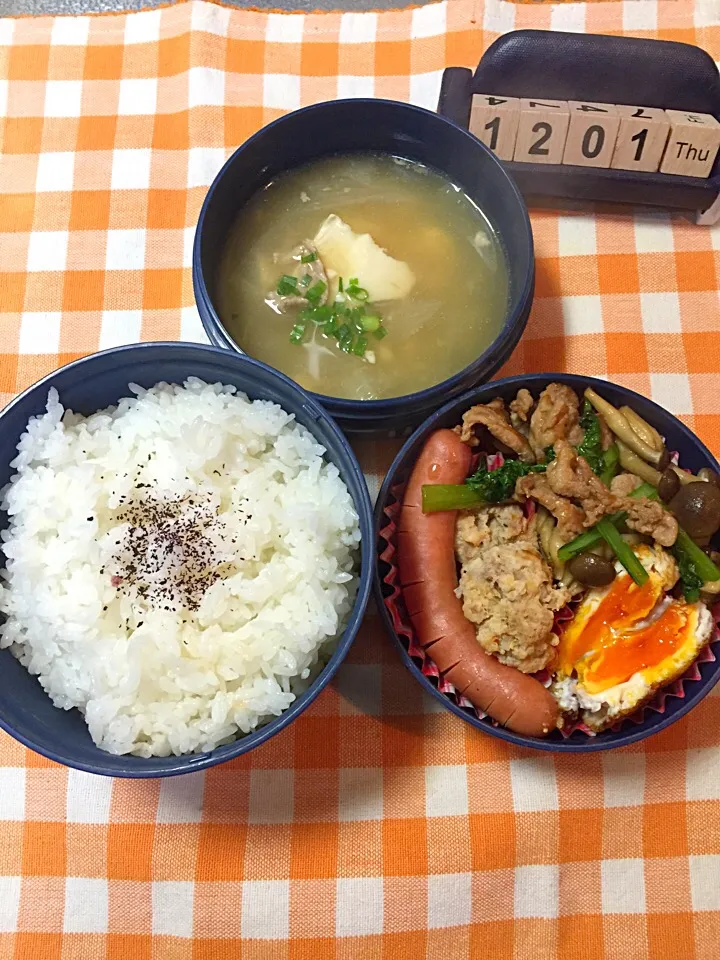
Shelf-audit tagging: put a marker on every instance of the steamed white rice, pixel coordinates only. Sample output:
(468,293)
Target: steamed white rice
(95,593)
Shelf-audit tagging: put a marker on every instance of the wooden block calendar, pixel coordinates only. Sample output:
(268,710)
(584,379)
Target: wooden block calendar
(582,133)
(579,118)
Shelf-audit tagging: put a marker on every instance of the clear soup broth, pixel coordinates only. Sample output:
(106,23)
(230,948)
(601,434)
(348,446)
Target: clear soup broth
(423,335)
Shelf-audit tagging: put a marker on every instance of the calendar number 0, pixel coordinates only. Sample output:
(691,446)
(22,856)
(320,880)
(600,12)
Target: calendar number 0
(593,141)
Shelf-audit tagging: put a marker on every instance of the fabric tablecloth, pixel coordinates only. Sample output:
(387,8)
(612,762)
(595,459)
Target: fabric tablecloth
(377,826)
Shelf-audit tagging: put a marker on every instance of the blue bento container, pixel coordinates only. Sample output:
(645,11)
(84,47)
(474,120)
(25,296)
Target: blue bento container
(693,455)
(98,381)
(395,129)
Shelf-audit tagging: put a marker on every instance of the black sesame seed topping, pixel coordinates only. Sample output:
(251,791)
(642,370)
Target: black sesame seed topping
(167,556)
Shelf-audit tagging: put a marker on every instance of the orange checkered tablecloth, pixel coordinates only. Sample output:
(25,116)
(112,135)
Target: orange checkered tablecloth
(377,827)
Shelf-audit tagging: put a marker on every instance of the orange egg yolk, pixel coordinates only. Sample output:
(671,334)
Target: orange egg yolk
(607,648)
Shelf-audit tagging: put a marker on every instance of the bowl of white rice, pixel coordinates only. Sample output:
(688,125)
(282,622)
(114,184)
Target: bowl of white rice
(184,558)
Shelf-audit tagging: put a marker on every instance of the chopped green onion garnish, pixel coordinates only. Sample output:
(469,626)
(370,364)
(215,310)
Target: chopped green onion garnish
(314,292)
(297,333)
(625,554)
(322,314)
(360,346)
(309,258)
(356,316)
(358,293)
(287,286)
(346,318)
(370,324)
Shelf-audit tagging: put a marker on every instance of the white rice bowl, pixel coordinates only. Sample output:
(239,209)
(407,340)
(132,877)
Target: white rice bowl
(96,596)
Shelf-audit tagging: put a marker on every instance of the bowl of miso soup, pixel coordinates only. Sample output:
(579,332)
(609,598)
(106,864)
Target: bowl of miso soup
(374,252)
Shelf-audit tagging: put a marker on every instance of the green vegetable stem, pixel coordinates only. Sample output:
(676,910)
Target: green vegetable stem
(610,458)
(623,551)
(484,486)
(449,496)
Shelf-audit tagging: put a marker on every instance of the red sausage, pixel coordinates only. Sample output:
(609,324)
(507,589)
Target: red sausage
(426,560)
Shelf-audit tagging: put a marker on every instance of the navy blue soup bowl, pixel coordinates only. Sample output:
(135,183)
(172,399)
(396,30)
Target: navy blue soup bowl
(693,455)
(395,129)
(90,384)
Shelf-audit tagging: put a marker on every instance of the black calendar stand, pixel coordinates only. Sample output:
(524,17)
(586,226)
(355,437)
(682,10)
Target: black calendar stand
(590,67)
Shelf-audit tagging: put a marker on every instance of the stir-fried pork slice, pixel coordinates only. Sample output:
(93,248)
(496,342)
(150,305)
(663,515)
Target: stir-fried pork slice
(520,409)
(571,476)
(651,518)
(624,483)
(556,417)
(494,417)
(506,587)
(570,517)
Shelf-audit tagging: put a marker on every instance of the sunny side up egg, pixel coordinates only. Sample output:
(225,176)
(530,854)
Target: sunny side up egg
(626,641)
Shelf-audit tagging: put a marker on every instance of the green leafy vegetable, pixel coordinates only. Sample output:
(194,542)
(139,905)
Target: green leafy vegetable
(287,286)
(591,446)
(498,485)
(690,579)
(549,453)
(623,551)
(309,257)
(380,333)
(694,564)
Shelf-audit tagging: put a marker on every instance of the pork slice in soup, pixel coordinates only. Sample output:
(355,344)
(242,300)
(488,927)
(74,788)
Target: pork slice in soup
(363,277)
